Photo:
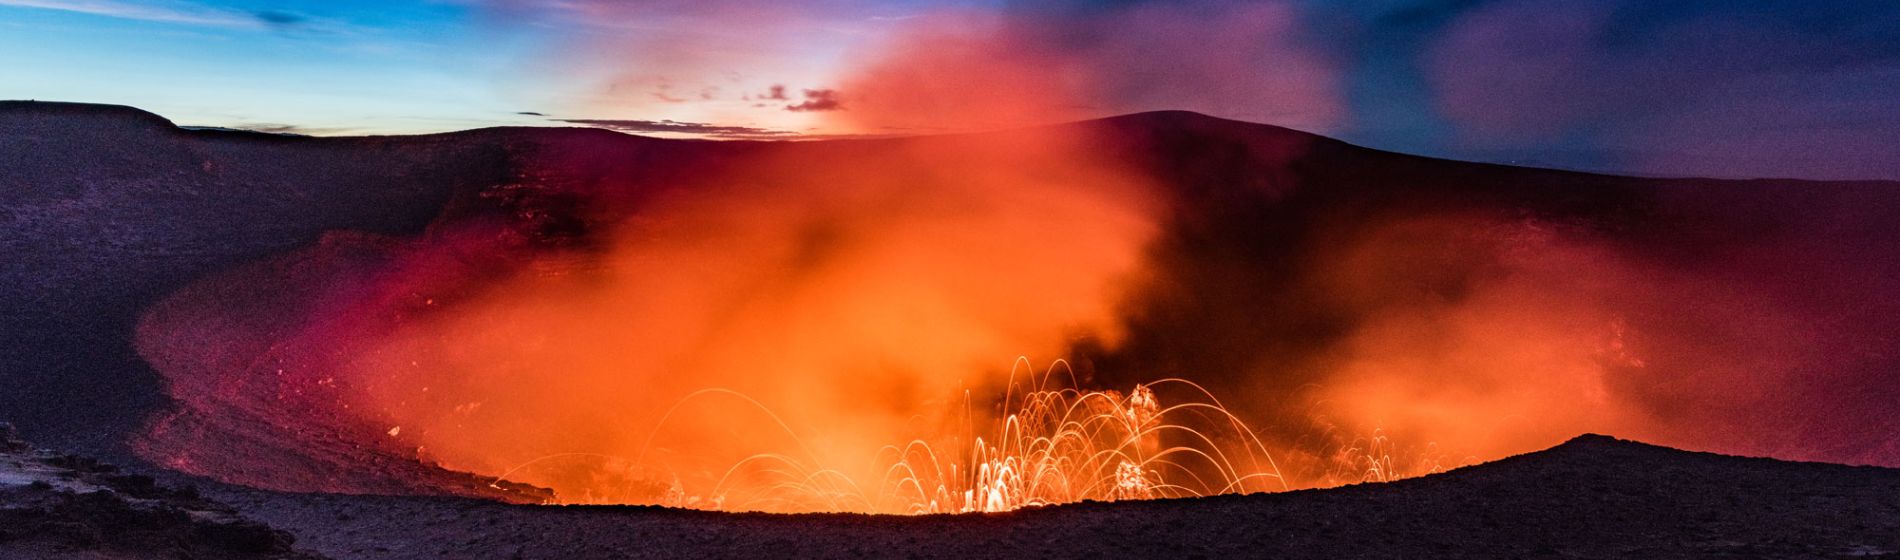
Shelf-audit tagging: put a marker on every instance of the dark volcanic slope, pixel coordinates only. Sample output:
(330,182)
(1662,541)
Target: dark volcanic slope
(106,209)
(1593,497)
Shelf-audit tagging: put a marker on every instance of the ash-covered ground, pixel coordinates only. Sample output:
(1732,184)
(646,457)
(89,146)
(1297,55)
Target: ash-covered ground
(55,505)
(1593,497)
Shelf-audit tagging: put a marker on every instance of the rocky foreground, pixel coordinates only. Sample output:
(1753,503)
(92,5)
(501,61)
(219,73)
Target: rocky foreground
(54,505)
(1592,497)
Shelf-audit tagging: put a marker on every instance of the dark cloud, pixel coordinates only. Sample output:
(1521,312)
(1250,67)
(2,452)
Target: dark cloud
(278,129)
(280,19)
(1689,87)
(531,113)
(1693,87)
(1040,62)
(678,127)
(817,100)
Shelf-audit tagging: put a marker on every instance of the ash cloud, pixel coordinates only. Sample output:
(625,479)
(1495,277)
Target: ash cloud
(1490,327)
(818,100)
(848,294)
(1050,63)
(1706,88)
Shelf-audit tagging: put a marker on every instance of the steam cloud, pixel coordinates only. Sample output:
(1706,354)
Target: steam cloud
(854,290)
(853,299)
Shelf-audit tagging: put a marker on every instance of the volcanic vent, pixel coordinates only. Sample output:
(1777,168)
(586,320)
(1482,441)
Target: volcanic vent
(836,325)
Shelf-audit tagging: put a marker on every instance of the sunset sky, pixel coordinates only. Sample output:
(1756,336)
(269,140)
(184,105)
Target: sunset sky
(1704,87)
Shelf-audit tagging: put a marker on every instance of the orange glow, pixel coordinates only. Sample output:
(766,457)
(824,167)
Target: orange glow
(846,299)
(1518,362)
(766,336)
(1048,443)
(822,326)
(855,301)
(818,327)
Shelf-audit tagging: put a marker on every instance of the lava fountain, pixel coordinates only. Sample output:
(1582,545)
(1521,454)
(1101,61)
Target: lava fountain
(1045,443)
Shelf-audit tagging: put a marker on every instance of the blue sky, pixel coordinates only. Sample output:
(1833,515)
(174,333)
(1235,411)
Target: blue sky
(371,66)
(1704,87)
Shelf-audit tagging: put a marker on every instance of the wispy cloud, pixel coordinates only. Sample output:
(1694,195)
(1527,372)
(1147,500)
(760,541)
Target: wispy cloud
(678,127)
(280,129)
(168,12)
(818,100)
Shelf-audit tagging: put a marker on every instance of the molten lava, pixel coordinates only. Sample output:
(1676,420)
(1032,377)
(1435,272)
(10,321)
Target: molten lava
(1044,443)
(1051,444)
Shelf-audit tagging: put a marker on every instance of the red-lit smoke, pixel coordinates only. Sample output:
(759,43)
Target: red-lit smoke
(844,296)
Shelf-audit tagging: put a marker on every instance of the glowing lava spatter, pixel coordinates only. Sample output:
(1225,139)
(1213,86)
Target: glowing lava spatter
(1050,443)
